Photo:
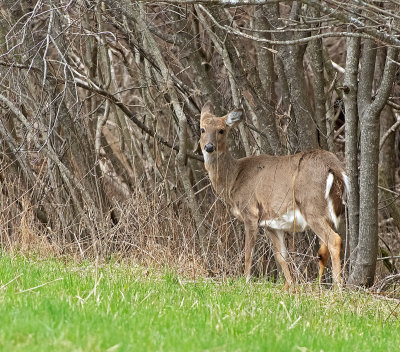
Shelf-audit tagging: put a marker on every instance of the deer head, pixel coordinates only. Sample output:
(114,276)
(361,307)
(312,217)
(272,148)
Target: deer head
(214,130)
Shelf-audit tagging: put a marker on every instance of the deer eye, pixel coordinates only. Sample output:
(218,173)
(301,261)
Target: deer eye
(221,131)
(202,130)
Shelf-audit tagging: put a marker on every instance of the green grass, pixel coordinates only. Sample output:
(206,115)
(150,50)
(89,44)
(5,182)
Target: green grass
(127,308)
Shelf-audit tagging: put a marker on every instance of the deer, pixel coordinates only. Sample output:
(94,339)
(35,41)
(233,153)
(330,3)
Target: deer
(289,193)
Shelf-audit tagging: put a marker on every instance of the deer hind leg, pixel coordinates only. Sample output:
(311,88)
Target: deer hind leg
(251,229)
(281,255)
(323,256)
(333,242)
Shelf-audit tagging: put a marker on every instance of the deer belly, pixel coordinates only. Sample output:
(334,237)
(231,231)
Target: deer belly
(291,221)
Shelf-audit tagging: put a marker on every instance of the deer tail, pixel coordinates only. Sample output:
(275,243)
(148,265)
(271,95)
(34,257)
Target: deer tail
(337,188)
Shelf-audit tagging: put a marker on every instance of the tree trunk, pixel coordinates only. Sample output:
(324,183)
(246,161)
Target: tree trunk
(364,268)
(351,147)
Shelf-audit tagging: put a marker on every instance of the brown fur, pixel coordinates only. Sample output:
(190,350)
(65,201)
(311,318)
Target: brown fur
(266,187)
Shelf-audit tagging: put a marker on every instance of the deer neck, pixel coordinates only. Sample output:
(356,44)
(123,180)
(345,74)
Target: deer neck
(222,168)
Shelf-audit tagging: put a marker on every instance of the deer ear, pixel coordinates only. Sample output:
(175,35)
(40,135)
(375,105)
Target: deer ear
(234,117)
(207,107)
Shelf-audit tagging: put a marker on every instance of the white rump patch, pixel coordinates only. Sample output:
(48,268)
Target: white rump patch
(329,183)
(334,218)
(291,221)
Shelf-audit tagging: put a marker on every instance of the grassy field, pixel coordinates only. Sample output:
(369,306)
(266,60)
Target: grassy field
(53,305)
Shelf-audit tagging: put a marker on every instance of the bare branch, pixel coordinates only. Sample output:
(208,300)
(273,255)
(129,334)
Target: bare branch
(232,30)
(132,117)
(391,130)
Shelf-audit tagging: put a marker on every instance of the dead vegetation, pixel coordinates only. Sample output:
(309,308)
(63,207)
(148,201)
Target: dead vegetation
(100,103)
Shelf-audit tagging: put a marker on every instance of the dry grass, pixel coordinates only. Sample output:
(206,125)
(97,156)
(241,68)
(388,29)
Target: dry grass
(155,233)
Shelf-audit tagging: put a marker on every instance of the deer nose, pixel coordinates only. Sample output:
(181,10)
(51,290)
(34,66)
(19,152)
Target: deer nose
(209,147)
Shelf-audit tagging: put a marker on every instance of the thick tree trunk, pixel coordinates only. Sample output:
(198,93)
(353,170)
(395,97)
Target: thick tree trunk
(316,58)
(365,265)
(266,73)
(351,147)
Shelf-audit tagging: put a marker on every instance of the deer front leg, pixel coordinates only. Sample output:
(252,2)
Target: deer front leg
(251,229)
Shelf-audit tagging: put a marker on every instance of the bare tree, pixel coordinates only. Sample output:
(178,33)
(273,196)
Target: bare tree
(100,104)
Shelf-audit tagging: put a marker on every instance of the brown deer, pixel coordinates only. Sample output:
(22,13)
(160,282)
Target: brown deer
(281,193)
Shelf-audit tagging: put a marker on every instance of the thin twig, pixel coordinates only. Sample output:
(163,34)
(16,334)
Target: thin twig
(285,42)
(9,282)
(389,190)
(391,130)
(384,258)
(393,310)
(46,283)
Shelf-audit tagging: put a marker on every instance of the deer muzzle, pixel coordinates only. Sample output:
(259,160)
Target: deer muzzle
(209,147)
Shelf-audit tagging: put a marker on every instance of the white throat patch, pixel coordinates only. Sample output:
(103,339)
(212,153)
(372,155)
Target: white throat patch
(207,156)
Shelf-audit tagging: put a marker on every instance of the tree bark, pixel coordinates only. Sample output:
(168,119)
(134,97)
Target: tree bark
(351,147)
(266,73)
(365,266)
(315,54)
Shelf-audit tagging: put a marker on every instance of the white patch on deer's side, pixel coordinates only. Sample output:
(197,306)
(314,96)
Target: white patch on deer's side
(281,236)
(329,183)
(234,116)
(291,221)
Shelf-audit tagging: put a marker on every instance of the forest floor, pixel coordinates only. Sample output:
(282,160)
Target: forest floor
(59,305)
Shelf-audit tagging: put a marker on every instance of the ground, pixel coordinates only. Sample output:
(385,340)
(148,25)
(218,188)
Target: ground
(58,305)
